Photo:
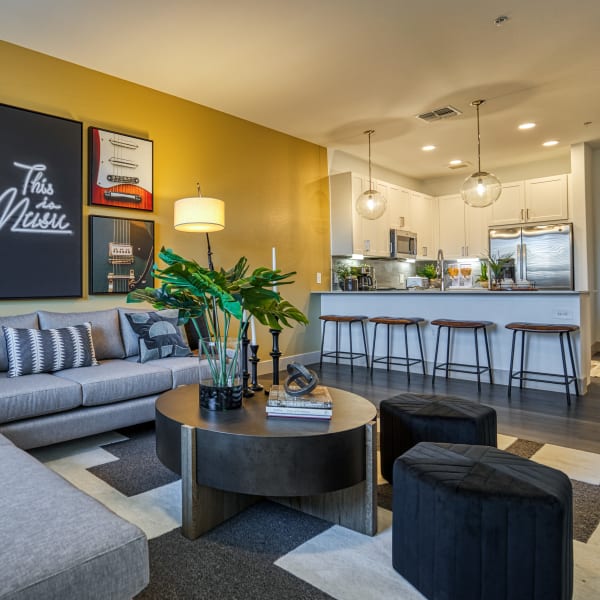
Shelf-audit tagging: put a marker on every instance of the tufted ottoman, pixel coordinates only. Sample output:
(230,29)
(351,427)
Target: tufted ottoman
(409,419)
(474,522)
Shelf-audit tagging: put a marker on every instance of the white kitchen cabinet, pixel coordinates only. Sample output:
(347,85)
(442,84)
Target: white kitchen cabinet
(398,203)
(532,201)
(350,233)
(375,233)
(463,229)
(421,220)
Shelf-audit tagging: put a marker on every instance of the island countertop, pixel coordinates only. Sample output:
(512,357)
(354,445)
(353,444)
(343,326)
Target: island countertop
(499,307)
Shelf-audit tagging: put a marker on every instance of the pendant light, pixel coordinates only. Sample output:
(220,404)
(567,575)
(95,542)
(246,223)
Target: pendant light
(371,204)
(480,189)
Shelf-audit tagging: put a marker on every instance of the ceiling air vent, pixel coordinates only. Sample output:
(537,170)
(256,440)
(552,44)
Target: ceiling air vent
(439,113)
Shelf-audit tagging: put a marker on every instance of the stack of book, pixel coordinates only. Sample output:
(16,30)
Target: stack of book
(316,405)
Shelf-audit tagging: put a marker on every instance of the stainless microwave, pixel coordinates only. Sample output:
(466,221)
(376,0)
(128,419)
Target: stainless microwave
(403,244)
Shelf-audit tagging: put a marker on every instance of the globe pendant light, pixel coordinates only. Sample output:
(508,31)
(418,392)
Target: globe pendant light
(371,204)
(480,189)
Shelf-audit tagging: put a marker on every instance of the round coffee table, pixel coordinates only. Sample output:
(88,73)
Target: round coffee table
(229,460)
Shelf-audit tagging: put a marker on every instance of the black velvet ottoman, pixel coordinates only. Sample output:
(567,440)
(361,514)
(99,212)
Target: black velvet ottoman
(408,419)
(478,523)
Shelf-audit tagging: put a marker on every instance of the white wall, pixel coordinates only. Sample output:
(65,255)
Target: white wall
(594,254)
(557,165)
(340,162)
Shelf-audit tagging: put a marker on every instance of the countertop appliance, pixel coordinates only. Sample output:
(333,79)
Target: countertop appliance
(403,244)
(543,254)
(413,282)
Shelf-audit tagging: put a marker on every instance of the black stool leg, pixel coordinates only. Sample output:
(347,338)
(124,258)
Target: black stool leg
(512,360)
(448,351)
(573,364)
(564,361)
(477,360)
(322,342)
(522,359)
(421,349)
(487,352)
(351,351)
(389,348)
(406,349)
(437,344)
(364,334)
(373,348)
(337,342)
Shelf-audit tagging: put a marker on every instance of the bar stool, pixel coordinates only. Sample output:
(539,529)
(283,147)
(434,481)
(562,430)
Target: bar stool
(477,368)
(389,358)
(351,356)
(523,375)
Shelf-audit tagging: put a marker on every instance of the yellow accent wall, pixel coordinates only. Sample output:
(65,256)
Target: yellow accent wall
(274,186)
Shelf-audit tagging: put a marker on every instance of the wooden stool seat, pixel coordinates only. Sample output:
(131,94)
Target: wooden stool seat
(389,358)
(343,354)
(542,327)
(562,329)
(477,368)
(456,324)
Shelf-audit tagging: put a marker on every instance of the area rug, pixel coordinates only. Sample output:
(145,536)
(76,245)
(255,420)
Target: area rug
(272,552)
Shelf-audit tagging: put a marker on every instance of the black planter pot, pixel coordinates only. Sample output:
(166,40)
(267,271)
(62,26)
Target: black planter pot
(221,397)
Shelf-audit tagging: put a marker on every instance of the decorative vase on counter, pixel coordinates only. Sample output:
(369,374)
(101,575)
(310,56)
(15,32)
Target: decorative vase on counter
(224,389)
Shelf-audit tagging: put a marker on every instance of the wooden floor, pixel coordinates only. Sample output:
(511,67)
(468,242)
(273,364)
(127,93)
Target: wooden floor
(536,415)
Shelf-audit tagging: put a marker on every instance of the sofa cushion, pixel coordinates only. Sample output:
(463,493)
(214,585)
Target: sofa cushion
(105,329)
(35,395)
(59,542)
(116,380)
(48,350)
(29,321)
(186,370)
(158,334)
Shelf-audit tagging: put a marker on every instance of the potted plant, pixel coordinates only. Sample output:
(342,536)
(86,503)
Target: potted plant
(219,299)
(343,272)
(496,264)
(483,276)
(430,272)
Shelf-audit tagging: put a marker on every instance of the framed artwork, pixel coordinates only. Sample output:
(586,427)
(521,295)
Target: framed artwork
(40,205)
(121,255)
(120,170)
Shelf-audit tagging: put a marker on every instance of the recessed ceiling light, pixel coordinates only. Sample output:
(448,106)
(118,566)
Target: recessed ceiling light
(550,143)
(428,148)
(456,161)
(526,125)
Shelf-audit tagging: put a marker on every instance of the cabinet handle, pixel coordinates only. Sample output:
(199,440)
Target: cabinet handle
(527,214)
(424,250)
(466,250)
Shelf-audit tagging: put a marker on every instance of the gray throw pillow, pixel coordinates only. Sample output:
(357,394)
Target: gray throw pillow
(159,336)
(48,350)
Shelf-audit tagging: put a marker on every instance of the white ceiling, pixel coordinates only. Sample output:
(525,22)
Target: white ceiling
(326,70)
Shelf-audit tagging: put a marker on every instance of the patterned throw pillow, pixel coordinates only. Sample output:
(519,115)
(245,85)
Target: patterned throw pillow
(49,350)
(159,336)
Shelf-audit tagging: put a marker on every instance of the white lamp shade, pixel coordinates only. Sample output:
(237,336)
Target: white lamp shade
(481,189)
(200,214)
(371,204)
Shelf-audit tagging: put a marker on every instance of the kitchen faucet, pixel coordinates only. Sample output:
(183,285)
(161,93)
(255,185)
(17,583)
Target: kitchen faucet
(439,270)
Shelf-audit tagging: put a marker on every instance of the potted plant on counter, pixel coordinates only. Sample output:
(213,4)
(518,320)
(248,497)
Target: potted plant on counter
(223,301)
(496,264)
(430,272)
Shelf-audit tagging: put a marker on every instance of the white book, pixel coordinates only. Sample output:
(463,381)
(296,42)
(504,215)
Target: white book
(298,416)
(319,398)
(324,413)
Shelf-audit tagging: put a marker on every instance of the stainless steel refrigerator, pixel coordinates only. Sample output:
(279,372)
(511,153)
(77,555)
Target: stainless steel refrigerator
(543,254)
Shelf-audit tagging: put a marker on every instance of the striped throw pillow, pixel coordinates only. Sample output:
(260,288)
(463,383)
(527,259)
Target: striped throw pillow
(48,350)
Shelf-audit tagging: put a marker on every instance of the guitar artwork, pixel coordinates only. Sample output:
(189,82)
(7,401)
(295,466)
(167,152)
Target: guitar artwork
(128,269)
(122,254)
(120,170)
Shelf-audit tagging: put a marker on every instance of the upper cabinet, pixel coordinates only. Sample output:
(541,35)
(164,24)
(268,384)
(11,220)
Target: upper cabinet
(532,201)
(398,206)
(421,218)
(351,233)
(463,230)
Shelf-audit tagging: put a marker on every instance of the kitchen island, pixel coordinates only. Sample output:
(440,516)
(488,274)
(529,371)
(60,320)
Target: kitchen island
(500,307)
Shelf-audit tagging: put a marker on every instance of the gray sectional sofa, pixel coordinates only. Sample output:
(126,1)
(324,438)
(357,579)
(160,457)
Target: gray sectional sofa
(46,408)
(55,541)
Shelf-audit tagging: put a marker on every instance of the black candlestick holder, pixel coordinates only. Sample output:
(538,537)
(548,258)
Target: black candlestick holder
(254,360)
(275,354)
(245,374)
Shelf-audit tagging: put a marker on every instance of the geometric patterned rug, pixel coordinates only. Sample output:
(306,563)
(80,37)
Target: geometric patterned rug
(270,551)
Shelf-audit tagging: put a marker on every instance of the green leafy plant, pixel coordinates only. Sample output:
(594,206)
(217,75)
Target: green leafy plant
(484,271)
(218,298)
(342,271)
(428,271)
(496,263)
